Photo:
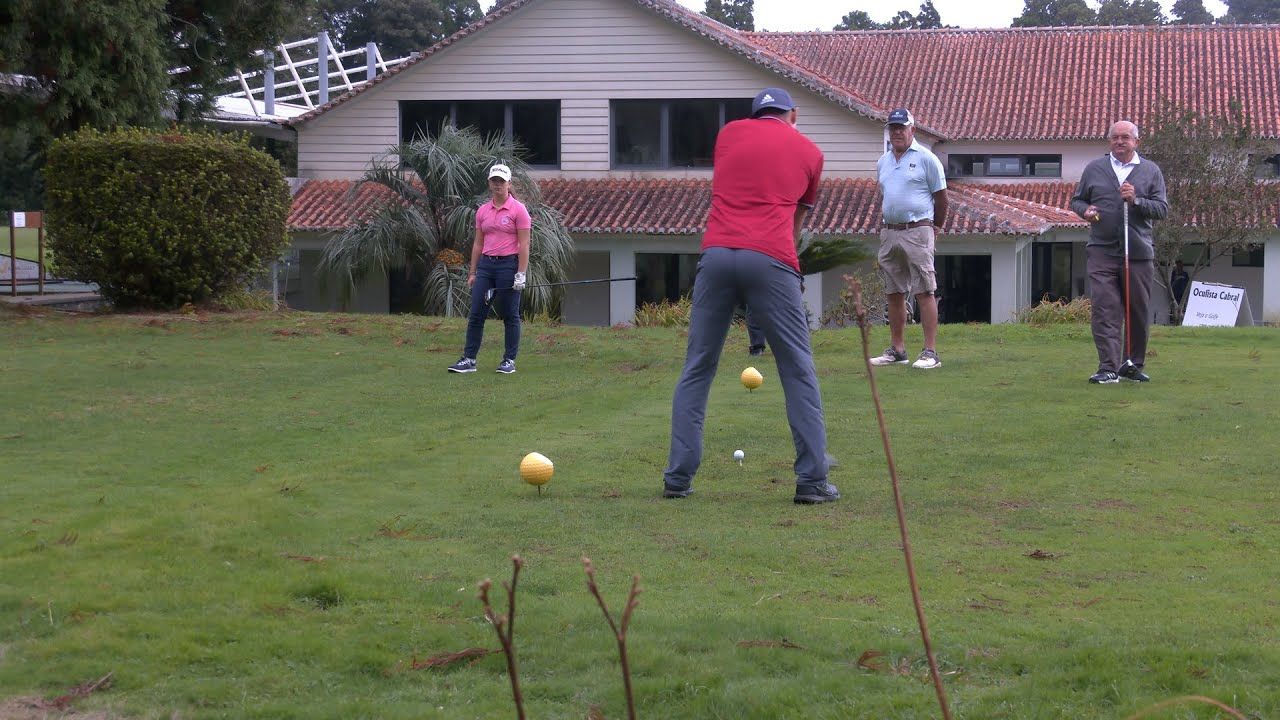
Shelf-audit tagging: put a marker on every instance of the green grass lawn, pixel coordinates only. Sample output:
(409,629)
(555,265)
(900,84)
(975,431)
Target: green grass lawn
(274,516)
(26,240)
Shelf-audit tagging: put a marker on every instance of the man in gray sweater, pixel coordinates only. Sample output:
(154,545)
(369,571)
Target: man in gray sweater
(1105,186)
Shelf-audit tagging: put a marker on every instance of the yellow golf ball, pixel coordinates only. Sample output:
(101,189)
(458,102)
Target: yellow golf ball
(536,469)
(751,378)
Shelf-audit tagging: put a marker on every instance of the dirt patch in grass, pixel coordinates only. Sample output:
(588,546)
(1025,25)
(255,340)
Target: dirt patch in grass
(34,708)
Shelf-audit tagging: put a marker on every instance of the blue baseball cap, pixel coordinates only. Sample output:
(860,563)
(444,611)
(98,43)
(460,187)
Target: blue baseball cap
(771,98)
(900,116)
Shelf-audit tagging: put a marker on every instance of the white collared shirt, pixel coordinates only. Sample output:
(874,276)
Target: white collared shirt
(1123,169)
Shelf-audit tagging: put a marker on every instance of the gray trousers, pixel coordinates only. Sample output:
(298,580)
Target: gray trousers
(1106,294)
(727,278)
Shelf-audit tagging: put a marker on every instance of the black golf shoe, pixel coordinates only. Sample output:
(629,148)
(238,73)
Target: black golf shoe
(1133,373)
(816,494)
(1104,377)
(672,492)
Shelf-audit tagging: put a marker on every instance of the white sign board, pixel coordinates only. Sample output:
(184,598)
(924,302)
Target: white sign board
(19,219)
(1220,305)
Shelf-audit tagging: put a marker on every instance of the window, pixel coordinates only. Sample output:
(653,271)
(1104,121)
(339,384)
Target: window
(1270,167)
(664,276)
(1247,257)
(534,124)
(974,165)
(1004,166)
(669,133)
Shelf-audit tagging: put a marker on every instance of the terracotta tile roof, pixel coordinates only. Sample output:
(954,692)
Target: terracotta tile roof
(679,207)
(721,34)
(1057,197)
(1047,83)
(331,204)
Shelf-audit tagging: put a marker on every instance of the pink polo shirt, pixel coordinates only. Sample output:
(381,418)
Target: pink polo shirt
(498,226)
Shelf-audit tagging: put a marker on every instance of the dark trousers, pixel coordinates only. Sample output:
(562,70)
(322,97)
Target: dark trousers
(1106,294)
(771,290)
(494,274)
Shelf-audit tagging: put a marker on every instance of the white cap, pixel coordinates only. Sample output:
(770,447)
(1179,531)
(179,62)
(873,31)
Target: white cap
(500,171)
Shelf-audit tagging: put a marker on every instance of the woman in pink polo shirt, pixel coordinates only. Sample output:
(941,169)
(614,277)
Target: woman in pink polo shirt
(499,260)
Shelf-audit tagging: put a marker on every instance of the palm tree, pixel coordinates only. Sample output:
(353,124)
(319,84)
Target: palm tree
(426,227)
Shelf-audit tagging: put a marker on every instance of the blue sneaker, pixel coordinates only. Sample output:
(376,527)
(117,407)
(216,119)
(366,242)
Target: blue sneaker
(465,365)
(506,367)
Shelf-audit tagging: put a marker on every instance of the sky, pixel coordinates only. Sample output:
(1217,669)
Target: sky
(825,14)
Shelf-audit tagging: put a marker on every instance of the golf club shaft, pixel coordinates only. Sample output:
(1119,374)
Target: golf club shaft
(489,293)
(1128,337)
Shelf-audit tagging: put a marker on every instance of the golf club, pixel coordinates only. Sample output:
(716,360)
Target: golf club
(1128,337)
(488,296)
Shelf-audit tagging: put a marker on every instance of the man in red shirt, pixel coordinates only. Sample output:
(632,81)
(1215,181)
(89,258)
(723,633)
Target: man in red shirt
(765,181)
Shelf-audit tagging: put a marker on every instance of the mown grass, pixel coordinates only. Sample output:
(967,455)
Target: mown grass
(273,516)
(26,241)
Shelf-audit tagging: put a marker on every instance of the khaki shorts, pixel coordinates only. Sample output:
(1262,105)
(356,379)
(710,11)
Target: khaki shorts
(906,261)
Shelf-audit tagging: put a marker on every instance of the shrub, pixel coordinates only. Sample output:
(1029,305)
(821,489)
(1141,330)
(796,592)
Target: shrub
(159,219)
(1050,312)
(841,313)
(665,313)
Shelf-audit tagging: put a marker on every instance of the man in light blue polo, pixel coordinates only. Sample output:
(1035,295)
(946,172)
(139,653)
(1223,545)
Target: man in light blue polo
(914,189)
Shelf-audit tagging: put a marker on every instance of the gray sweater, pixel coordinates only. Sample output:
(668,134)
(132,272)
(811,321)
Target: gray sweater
(1098,187)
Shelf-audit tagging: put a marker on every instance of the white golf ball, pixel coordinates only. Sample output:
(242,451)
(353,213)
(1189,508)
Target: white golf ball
(738,454)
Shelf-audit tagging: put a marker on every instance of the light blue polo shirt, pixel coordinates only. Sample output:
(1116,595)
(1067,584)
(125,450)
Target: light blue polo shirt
(908,184)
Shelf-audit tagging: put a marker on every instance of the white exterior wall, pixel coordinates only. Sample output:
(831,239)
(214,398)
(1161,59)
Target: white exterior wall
(583,53)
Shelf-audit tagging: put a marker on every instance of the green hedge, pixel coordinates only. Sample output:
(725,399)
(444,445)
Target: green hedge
(159,219)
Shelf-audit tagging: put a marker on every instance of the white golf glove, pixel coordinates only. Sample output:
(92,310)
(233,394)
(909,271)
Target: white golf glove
(519,283)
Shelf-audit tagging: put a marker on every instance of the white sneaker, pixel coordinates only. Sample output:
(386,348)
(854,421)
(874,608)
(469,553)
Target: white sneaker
(890,357)
(928,360)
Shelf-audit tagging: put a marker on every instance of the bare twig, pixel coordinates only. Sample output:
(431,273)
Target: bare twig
(84,690)
(509,623)
(619,631)
(1187,699)
(897,501)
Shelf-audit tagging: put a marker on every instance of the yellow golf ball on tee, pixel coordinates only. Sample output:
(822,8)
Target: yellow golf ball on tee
(536,469)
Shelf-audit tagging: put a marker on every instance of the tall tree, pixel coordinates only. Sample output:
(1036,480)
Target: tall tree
(1252,12)
(1130,12)
(98,63)
(1211,165)
(399,27)
(206,40)
(1055,13)
(927,18)
(1191,12)
(738,14)
(857,20)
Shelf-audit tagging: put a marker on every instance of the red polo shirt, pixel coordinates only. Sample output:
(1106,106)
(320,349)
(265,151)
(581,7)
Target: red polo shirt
(764,167)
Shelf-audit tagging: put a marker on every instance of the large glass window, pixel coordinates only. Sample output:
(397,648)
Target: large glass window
(1248,257)
(534,124)
(981,165)
(670,133)
(664,276)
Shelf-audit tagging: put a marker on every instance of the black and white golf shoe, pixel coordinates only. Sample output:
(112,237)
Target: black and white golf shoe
(1104,377)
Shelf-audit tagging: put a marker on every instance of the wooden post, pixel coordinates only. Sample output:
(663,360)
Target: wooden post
(13,255)
(40,254)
